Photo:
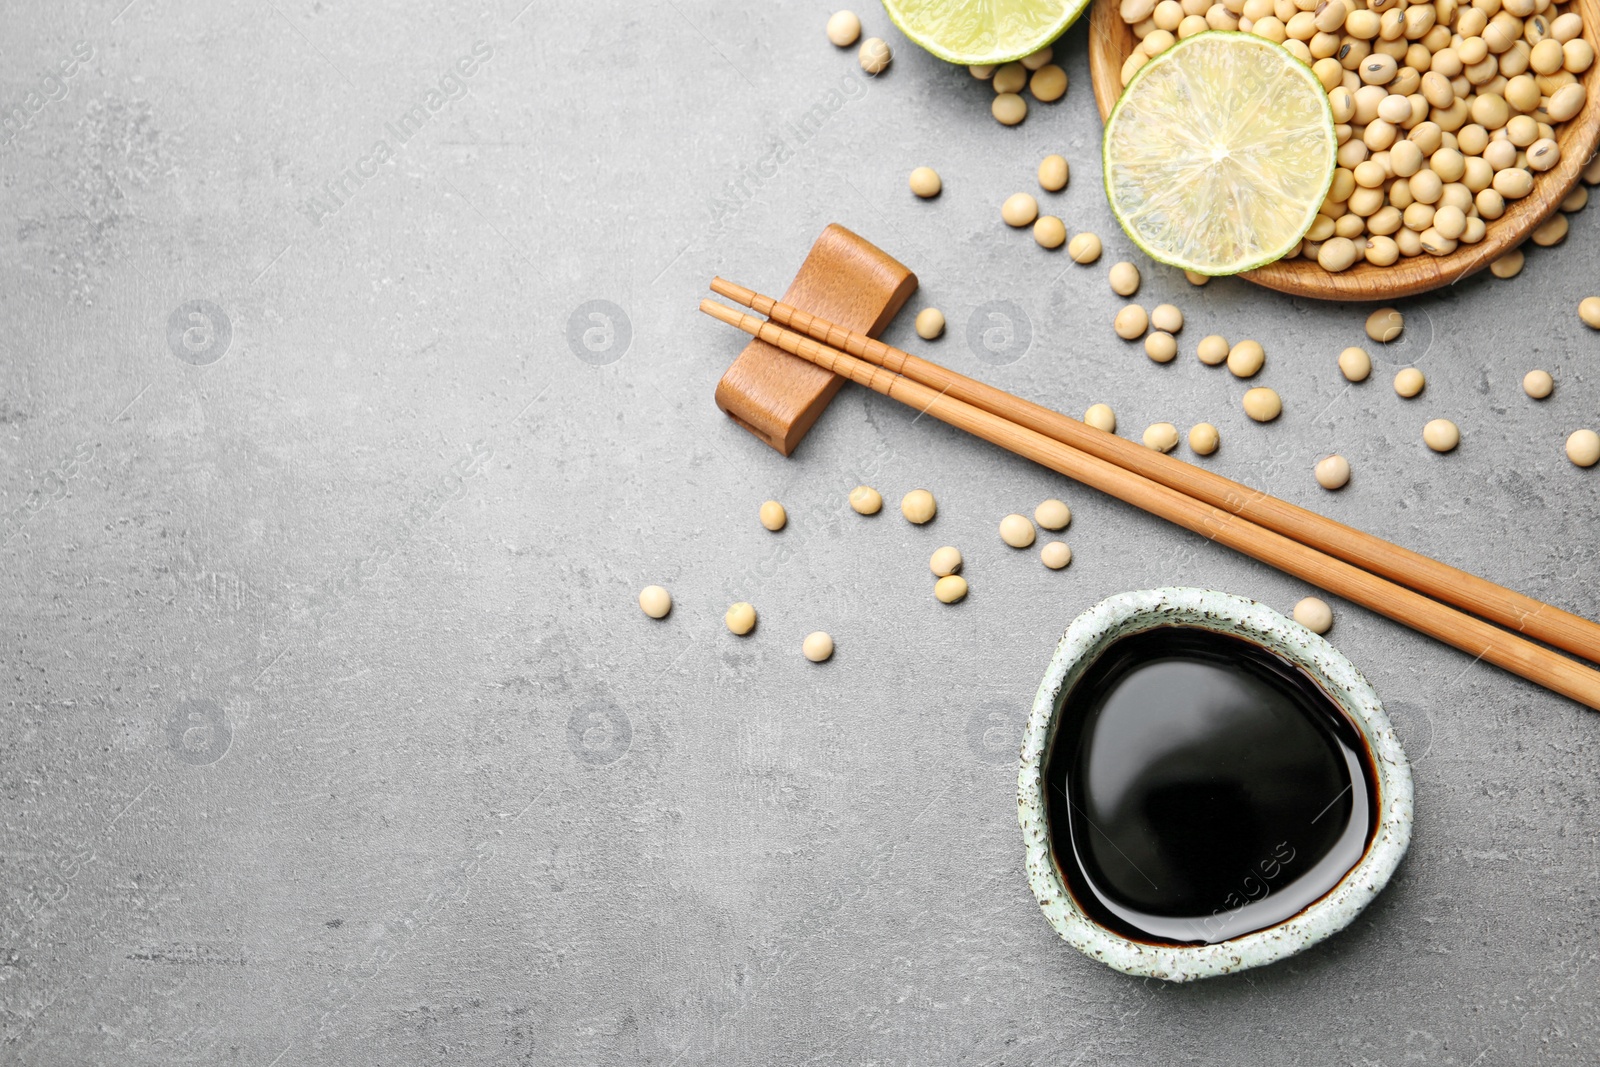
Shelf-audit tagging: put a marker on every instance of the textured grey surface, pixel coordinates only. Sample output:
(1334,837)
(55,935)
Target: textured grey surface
(333,733)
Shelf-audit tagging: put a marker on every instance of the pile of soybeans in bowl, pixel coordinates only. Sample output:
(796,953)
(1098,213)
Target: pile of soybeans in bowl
(1444,111)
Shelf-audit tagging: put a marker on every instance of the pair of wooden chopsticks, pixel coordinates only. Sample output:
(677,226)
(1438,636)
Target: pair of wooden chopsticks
(1344,561)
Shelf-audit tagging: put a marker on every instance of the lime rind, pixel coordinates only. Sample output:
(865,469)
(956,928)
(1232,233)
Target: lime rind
(1280,202)
(965,33)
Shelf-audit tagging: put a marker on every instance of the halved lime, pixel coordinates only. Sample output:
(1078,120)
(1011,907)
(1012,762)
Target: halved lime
(1219,153)
(983,32)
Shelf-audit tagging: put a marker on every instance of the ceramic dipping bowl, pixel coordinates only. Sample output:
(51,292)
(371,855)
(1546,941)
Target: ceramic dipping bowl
(1129,613)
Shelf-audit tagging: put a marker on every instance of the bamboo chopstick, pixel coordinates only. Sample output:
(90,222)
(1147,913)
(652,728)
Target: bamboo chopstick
(1462,631)
(1439,580)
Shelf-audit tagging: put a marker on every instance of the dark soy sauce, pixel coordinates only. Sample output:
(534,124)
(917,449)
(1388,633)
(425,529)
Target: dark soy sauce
(1202,787)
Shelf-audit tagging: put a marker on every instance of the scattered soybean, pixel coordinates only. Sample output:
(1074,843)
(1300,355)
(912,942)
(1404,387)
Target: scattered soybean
(1314,614)
(1333,472)
(740,618)
(655,601)
(918,506)
(1441,435)
(1355,364)
(1055,555)
(865,500)
(1161,436)
(844,28)
(1016,531)
(1124,278)
(874,55)
(817,647)
(1262,404)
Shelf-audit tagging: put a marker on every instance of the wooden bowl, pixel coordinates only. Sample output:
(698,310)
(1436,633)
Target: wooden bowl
(1111,41)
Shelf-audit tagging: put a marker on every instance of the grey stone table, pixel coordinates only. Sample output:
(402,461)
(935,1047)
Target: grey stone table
(353,386)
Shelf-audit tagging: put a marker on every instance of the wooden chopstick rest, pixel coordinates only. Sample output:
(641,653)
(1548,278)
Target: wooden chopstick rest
(777,397)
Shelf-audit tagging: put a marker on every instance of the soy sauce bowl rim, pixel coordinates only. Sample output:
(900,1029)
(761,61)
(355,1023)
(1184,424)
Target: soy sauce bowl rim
(1128,613)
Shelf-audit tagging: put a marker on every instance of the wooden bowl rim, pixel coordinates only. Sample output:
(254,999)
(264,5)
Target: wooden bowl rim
(1418,274)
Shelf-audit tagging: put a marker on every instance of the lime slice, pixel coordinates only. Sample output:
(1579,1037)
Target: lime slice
(983,32)
(1219,153)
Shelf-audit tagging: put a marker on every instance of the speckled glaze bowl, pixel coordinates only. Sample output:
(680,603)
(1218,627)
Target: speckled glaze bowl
(1129,613)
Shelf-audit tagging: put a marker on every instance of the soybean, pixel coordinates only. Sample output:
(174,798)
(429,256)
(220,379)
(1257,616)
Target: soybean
(1161,436)
(1131,322)
(1161,346)
(1355,364)
(1020,209)
(918,506)
(1513,183)
(817,647)
(1551,231)
(1589,311)
(945,561)
(740,618)
(1084,248)
(1246,359)
(1016,531)
(950,588)
(930,323)
(1333,472)
(773,516)
(1508,265)
(1583,448)
(1009,109)
(1049,84)
(1053,173)
(1337,254)
(1101,417)
(1010,78)
(1213,350)
(1052,514)
(874,55)
(1124,278)
(1055,555)
(1538,384)
(1262,404)
(865,500)
(1314,614)
(1050,232)
(1385,325)
(1441,435)
(655,601)
(926,183)
(1203,438)
(844,28)
(1409,382)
